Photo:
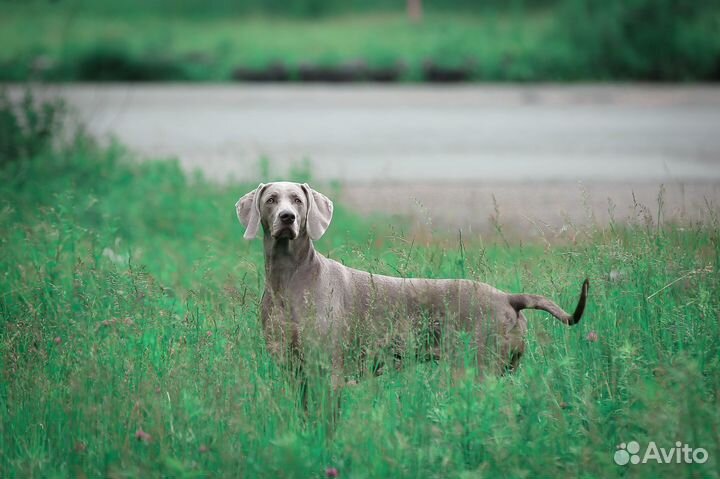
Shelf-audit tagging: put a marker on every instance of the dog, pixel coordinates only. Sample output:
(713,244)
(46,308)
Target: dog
(313,300)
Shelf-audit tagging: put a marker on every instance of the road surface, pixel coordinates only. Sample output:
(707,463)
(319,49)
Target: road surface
(547,153)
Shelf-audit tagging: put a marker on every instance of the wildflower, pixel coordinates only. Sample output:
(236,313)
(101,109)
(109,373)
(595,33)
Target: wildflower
(204,448)
(331,472)
(141,435)
(592,336)
(58,340)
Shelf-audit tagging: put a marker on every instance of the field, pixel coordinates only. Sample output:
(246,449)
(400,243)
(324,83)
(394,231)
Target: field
(549,40)
(131,347)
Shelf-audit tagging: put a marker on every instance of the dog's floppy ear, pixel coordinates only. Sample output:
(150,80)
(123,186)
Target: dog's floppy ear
(248,211)
(319,215)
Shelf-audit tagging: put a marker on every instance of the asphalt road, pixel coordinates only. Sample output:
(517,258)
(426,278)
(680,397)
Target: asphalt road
(437,151)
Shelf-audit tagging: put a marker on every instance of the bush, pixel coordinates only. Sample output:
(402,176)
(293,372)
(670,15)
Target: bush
(115,63)
(27,127)
(643,39)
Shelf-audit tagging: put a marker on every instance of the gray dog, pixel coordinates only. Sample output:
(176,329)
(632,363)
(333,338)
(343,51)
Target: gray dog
(310,299)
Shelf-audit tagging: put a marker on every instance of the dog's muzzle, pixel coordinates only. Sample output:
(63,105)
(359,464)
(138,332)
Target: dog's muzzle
(285,226)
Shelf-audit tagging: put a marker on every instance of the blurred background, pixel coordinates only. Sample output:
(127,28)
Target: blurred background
(452,113)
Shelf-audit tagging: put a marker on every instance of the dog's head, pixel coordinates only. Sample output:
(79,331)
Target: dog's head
(285,211)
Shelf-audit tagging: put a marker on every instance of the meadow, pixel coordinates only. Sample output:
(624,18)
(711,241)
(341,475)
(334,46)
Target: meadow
(131,346)
(522,40)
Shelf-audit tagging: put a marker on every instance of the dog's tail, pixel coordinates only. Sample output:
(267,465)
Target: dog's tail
(534,301)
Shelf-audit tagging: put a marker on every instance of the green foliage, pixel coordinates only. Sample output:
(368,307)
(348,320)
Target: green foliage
(284,8)
(539,40)
(130,342)
(645,39)
(116,63)
(27,127)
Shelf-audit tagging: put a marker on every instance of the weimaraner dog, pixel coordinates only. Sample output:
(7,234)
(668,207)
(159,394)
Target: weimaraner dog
(310,299)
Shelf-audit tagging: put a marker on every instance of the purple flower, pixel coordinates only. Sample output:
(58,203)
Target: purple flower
(592,336)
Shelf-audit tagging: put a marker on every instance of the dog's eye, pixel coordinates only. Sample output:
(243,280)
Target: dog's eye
(298,201)
(270,200)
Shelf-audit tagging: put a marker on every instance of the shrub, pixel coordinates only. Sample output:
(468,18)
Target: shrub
(642,39)
(115,63)
(27,127)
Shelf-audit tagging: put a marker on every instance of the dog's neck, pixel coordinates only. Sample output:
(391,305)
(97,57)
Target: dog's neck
(284,258)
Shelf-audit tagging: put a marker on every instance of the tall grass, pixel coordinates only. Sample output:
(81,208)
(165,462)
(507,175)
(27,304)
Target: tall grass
(130,342)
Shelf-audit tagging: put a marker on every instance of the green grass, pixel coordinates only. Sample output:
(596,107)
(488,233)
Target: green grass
(129,301)
(523,41)
(210,48)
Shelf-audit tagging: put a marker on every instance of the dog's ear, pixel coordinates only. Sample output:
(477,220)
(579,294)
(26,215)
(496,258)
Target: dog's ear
(248,211)
(319,214)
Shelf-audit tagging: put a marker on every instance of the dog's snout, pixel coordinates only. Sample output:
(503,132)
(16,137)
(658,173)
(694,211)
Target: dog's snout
(287,217)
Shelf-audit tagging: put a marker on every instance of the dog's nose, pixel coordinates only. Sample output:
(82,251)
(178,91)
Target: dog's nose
(287,217)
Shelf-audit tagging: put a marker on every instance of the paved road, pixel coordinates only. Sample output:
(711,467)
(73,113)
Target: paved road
(475,140)
(410,133)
